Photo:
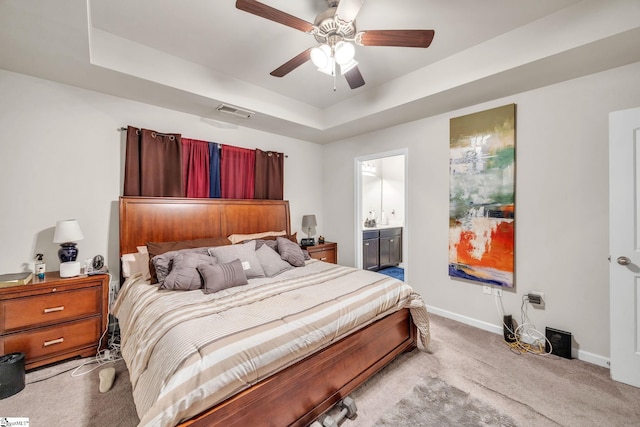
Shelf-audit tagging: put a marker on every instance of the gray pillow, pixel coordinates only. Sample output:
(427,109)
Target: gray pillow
(271,243)
(222,276)
(245,252)
(271,262)
(184,276)
(290,252)
(162,263)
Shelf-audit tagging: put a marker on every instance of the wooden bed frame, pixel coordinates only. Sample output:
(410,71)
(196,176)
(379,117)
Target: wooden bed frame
(300,393)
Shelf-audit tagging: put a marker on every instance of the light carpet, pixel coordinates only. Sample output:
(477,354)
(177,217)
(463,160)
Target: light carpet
(463,362)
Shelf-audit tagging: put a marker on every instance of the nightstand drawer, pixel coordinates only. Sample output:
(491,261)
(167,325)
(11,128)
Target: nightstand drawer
(23,313)
(326,252)
(49,341)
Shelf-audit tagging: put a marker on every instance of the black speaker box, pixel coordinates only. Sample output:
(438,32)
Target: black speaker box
(11,374)
(560,342)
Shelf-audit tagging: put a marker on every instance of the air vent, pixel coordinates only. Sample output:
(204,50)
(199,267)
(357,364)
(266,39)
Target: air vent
(229,109)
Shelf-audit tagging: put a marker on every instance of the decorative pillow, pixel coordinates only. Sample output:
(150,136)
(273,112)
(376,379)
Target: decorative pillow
(222,276)
(271,262)
(245,252)
(237,238)
(184,276)
(159,248)
(163,263)
(271,243)
(290,252)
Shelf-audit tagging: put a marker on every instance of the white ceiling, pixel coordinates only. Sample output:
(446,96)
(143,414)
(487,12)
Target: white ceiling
(193,55)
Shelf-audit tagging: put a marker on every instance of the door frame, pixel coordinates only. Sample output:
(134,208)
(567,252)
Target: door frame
(357,171)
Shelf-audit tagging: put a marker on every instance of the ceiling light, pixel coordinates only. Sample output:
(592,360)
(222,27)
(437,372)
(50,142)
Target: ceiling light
(344,52)
(328,69)
(320,56)
(368,169)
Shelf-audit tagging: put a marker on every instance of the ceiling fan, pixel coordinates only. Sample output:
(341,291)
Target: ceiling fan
(335,30)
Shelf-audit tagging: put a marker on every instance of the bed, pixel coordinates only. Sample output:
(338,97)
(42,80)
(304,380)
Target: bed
(172,377)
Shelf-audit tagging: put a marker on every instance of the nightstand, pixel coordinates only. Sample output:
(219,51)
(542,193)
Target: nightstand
(54,318)
(327,252)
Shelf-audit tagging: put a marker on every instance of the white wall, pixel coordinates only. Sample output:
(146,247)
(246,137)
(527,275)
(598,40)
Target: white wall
(61,157)
(561,206)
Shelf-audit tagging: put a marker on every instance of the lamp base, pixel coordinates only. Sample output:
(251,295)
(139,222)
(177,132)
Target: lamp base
(70,269)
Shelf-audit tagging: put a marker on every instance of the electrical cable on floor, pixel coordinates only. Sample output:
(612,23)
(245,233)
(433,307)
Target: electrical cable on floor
(526,328)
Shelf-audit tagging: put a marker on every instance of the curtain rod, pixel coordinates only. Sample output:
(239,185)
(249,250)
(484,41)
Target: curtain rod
(123,129)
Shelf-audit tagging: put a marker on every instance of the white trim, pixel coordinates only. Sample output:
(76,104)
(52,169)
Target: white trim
(582,355)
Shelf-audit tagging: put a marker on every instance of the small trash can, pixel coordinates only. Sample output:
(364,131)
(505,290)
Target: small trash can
(11,374)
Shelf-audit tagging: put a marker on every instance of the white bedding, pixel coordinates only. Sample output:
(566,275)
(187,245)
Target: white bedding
(187,351)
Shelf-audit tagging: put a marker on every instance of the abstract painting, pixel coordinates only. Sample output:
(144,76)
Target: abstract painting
(482,196)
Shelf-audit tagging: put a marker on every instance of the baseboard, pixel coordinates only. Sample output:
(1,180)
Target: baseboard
(585,356)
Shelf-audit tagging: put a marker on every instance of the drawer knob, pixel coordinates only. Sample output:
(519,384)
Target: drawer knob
(54,309)
(56,341)
(323,258)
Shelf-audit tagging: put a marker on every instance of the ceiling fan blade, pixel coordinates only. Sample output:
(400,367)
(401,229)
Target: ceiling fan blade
(354,78)
(400,38)
(348,9)
(272,14)
(292,64)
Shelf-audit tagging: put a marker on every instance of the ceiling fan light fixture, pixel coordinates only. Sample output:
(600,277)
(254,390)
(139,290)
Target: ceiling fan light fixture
(344,52)
(344,68)
(321,56)
(328,69)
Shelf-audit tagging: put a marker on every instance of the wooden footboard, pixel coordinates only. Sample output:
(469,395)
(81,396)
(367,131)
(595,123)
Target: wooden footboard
(299,394)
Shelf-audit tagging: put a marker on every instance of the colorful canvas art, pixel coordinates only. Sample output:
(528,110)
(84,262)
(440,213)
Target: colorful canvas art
(482,195)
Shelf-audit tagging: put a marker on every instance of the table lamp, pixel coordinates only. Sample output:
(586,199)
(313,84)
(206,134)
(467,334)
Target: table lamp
(308,221)
(67,233)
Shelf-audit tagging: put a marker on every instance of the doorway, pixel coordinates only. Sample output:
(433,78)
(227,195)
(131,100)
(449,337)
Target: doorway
(382,195)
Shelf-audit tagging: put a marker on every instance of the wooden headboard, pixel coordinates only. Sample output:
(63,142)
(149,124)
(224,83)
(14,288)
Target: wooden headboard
(158,219)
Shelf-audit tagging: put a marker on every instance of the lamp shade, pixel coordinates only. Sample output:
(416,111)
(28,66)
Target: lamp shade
(67,231)
(309,221)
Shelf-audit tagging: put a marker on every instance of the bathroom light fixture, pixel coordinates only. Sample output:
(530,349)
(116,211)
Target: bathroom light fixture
(368,169)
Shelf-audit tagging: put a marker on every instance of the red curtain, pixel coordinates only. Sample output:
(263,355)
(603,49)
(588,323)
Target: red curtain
(269,175)
(237,172)
(153,164)
(195,167)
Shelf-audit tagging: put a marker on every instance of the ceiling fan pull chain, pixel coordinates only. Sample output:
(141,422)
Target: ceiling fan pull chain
(334,73)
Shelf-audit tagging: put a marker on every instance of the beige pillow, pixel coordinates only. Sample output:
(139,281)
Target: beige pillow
(137,262)
(237,238)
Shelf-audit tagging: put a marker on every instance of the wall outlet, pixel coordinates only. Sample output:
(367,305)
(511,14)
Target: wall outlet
(486,289)
(114,287)
(536,298)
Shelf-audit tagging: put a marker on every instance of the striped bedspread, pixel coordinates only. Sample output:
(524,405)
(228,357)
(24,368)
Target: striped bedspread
(187,351)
